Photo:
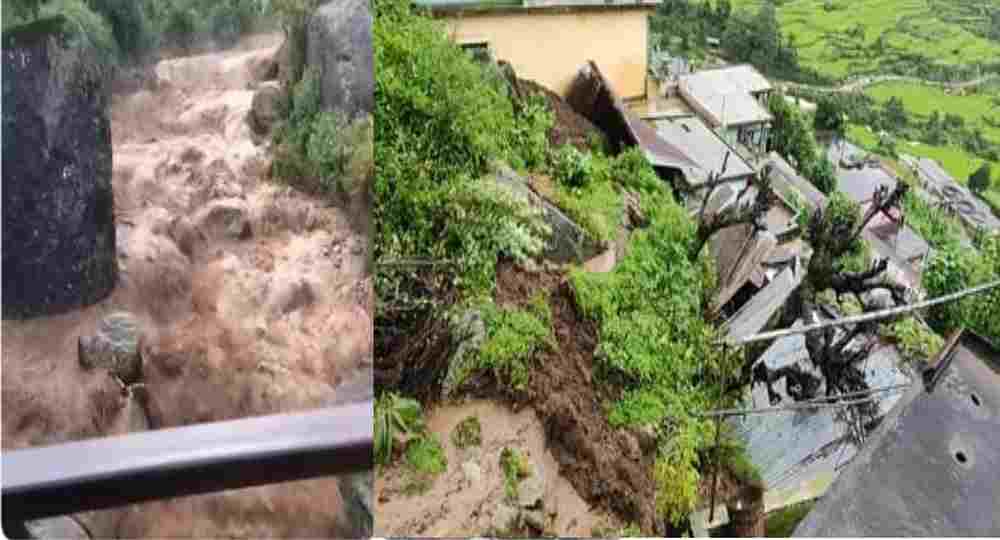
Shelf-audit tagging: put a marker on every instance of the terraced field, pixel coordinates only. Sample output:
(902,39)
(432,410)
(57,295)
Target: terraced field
(843,41)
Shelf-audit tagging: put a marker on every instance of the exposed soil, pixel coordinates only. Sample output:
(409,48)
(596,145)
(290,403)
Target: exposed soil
(458,506)
(569,127)
(607,466)
(253,299)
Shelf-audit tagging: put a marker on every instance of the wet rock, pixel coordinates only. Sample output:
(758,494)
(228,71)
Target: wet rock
(505,518)
(356,490)
(291,296)
(187,237)
(265,110)
(534,519)
(58,204)
(263,69)
(531,489)
(569,242)
(339,45)
(223,219)
(115,347)
(472,471)
(62,527)
(635,218)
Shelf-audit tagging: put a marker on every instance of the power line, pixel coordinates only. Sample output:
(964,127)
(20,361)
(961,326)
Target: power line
(823,402)
(865,317)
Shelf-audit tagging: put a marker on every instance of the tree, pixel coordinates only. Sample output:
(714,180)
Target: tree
(979,181)
(791,135)
(830,115)
(823,176)
(895,113)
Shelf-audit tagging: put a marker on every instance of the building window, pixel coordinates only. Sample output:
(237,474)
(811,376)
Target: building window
(479,50)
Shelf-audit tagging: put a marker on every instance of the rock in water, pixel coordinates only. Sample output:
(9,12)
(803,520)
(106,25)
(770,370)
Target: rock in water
(339,45)
(58,204)
(266,107)
(115,347)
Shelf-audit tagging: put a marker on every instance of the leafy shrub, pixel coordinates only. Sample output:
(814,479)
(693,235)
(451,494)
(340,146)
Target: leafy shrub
(442,121)
(85,27)
(572,167)
(822,175)
(513,336)
(132,30)
(395,418)
(515,468)
(425,459)
(181,25)
(467,433)
(913,339)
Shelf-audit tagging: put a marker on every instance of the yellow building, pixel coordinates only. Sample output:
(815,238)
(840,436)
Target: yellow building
(549,40)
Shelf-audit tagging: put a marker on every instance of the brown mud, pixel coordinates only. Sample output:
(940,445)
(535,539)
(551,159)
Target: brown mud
(253,299)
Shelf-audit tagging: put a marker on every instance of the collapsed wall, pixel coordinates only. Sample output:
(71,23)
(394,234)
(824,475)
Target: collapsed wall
(58,204)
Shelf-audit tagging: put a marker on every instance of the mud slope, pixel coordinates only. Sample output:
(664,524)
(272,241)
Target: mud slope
(254,299)
(465,500)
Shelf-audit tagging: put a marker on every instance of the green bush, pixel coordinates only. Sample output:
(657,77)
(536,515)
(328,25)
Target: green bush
(914,340)
(395,418)
(515,468)
(132,30)
(181,25)
(572,167)
(442,119)
(513,336)
(84,28)
(467,433)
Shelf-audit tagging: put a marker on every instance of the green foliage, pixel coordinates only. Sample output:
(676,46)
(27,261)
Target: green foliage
(676,475)
(513,336)
(515,468)
(932,224)
(980,180)
(572,167)
(823,176)
(791,134)
(830,116)
(425,455)
(320,152)
(955,267)
(132,30)
(425,459)
(85,28)
(734,458)
(914,340)
(396,417)
(442,120)
(781,523)
(467,433)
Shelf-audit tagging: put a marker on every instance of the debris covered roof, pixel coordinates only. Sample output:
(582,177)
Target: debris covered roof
(930,469)
(784,179)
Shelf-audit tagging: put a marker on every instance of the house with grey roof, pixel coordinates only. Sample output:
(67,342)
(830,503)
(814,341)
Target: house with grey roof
(731,100)
(698,152)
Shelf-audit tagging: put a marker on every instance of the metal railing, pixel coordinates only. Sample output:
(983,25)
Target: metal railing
(113,471)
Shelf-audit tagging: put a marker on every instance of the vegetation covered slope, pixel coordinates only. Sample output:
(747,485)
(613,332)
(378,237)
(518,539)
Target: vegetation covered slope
(443,223)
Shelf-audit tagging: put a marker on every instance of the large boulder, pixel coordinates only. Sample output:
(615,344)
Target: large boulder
(115,347)
(339,45)
(58,205)
(265,109)
(569,242)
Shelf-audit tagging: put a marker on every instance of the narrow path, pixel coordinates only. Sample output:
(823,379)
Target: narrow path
(253,299)
(863,82)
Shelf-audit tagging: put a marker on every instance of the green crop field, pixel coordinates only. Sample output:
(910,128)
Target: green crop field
(921,100)
(959,163)
(842,41)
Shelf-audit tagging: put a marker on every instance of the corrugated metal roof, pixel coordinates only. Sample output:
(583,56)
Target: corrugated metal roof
(753,317)
(724,94)
(701,147)
(785,179)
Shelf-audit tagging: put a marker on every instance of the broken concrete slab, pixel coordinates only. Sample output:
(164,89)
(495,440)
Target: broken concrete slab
(569,242)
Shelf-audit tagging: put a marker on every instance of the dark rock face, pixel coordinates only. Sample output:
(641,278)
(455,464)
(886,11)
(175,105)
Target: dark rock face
(58,204)
(339,45)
